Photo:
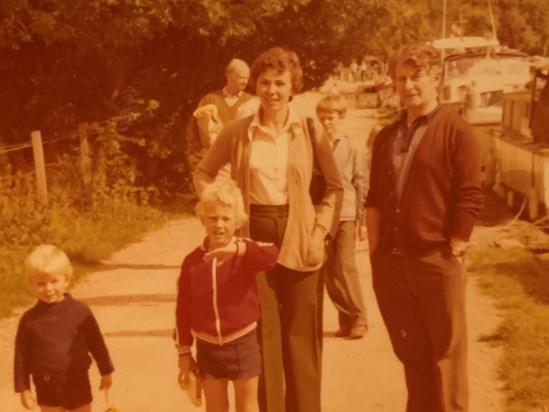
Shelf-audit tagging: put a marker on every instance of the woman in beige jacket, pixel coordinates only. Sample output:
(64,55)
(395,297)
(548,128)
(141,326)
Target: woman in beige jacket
(271,157)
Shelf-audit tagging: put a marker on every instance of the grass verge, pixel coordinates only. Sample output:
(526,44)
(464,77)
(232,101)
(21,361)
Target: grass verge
(519,286)
(87,238)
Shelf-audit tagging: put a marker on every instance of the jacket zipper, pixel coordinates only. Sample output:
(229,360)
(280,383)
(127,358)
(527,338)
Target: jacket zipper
(214,301)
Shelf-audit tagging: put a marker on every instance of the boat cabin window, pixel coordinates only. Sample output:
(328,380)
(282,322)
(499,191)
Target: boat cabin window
(491,98)
(540,109)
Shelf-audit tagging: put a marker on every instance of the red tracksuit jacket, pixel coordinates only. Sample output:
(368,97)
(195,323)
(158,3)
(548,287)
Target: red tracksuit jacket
(220,300)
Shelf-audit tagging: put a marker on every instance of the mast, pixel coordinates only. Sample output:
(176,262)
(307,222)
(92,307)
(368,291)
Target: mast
(443,51)
(491,19)
(443,19)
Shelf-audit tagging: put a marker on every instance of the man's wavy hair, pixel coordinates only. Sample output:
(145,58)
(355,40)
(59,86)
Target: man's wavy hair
(421,56)
(281,60)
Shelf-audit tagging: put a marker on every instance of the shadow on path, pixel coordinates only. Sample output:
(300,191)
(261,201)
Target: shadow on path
(122,300)
(160,333)
(105,267)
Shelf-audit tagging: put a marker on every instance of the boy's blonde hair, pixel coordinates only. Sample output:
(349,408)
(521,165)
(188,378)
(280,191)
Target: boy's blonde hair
(48,260)
(225,192)
(332,103)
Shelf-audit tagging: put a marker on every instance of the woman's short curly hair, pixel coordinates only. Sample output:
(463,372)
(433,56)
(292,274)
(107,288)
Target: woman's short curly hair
(419,55)
(224,192)
(281,60)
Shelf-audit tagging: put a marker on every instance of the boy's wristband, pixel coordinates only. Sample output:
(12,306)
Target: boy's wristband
(183,350)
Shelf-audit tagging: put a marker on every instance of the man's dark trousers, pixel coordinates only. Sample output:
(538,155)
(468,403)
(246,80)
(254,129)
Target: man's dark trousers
(422,302)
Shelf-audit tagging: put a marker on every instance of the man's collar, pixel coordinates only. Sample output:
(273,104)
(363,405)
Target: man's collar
(425,117)
(227,94)
(340,136)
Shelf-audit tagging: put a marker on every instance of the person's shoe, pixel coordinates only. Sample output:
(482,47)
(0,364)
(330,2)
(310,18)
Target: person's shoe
(341,333)
(357,332)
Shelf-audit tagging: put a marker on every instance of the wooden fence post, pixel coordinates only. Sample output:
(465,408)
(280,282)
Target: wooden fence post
(85,164)
(40,166)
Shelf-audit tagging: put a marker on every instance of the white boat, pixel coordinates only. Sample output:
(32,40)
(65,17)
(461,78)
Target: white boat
(465,43)
(476,73)
(505,70)
(521,146)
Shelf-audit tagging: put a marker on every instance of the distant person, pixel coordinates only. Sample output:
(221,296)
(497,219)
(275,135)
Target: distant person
(339,71)
(340,271)
(55,339)
(363,70)
(424,197)
(217,302)
(353,67)
(374,70)
(271,155)
(229,98)
(383,85)
(226,101)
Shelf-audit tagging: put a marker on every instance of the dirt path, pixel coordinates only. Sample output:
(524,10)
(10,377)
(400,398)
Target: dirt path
(133,296)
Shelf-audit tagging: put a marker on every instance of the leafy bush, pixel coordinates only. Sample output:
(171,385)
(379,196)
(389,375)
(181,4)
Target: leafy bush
(119,215)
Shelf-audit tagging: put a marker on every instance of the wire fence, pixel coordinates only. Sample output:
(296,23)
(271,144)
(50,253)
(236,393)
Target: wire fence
(40,166)
(22,146)
(7,149)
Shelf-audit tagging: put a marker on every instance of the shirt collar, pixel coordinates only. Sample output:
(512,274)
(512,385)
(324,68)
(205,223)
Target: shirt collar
(339,137)
(206,243)
(293,123)
(226,94)
(425,118)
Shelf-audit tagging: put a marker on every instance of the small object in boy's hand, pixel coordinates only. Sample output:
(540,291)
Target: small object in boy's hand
(193,389)
(108,402)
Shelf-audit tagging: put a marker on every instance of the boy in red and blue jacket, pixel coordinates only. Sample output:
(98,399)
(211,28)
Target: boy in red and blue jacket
(217,300)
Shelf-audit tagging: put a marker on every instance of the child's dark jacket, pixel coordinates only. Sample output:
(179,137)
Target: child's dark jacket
(57,339)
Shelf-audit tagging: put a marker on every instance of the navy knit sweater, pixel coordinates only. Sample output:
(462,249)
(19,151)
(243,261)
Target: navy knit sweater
(57,338)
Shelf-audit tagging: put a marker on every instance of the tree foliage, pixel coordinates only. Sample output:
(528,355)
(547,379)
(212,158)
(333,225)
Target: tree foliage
(145,63)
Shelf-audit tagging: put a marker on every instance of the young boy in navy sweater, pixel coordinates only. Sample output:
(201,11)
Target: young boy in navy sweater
(55,339)
(217,301)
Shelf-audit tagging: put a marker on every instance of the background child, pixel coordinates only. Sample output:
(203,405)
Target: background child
(341,274)
(217,301)
(55,338)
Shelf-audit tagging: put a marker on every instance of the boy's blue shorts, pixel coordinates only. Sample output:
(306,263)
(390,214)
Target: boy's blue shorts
(238,359)
(69,390)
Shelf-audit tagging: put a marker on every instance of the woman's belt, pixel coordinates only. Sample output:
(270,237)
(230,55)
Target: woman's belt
(269,210)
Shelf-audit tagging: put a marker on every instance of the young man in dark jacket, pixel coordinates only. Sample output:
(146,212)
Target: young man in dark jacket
(425,194)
